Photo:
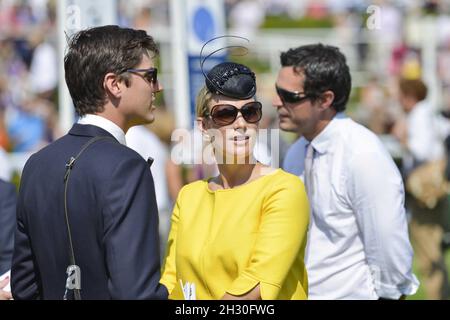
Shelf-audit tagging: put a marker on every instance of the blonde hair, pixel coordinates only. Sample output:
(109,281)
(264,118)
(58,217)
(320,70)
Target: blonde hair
(204,96)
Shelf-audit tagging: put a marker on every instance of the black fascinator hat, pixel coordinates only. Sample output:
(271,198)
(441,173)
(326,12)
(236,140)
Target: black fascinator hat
(232,80)
(229,78)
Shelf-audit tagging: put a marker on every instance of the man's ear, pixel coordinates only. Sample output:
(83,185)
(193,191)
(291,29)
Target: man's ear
(326,99)
(113,85)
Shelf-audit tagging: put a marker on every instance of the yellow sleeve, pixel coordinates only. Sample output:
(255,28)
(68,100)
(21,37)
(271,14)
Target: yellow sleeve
(281,235)
(169,270)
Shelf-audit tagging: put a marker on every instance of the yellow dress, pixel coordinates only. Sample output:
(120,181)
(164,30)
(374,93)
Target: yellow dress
(230,240)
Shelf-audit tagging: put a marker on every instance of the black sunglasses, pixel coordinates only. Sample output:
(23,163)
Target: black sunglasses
(150,74)
(225,114)
(292,96)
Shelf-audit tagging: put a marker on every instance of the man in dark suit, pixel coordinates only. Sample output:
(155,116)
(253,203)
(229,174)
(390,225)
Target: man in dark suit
(7,226)
(111,206)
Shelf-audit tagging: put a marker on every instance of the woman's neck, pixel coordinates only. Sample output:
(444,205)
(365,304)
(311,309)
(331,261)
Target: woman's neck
(232,175)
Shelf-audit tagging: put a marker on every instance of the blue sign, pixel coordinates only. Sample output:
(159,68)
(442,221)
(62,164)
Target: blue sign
(206,22)
(204,27)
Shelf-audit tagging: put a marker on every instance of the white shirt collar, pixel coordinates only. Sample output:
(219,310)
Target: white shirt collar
(322,141)
(105,124)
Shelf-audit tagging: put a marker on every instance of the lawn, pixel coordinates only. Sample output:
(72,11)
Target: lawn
(420,295)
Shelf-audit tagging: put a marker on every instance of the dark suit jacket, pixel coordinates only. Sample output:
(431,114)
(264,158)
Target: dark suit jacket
(447,168)
(7,224)
(113,218)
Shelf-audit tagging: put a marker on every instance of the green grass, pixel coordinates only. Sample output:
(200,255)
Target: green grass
(420,295)
(284,21)
(255,64)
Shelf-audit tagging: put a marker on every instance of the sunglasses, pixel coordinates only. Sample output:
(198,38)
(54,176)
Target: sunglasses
(150,74)
(292,97)
(225,114)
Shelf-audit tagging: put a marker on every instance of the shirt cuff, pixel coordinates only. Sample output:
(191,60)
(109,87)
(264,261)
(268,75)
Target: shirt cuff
(395,292)
(245,283)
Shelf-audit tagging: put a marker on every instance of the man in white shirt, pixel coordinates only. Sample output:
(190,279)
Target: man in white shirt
(358,245)
(423,142)
(145,142)
(5,167)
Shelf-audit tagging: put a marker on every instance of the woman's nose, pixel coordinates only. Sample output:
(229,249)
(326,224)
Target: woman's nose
(240,122)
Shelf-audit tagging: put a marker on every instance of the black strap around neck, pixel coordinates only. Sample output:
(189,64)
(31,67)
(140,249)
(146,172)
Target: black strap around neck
(73,271)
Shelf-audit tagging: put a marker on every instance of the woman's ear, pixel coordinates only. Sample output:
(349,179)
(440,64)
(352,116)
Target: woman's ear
(201,123)
(112,85)
(203,127)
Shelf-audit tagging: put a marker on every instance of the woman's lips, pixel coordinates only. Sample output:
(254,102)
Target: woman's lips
(241,138)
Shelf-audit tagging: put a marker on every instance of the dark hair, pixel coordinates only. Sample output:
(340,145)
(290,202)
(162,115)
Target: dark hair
(413,88)
(93,53)
(325,68)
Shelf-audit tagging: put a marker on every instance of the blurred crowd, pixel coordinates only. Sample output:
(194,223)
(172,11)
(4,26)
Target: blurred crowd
(29,76)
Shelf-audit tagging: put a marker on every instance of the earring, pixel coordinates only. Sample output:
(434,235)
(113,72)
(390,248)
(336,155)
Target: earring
(208,138)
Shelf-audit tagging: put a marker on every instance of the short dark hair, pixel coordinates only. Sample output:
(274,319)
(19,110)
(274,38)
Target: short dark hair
(93,53)
(325,68)
(414,88)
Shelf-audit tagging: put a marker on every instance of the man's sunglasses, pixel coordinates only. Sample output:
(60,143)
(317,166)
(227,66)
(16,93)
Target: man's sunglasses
(150,74)
(292,97)
(226,114)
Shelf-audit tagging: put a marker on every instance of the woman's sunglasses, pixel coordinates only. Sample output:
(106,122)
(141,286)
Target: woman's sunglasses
(292,97)
(226,114)
(150,74)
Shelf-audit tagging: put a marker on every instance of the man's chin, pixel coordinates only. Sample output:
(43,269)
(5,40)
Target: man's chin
(150,120)
(287,126)
(143,121)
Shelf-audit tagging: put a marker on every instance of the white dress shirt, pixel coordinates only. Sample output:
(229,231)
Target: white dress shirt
(105,124)
(5,166)
(148,145)
(424,140)
(358,245)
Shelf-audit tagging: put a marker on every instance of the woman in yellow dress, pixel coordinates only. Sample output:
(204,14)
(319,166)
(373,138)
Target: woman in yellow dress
(242,234)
